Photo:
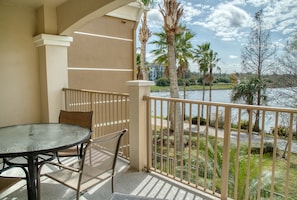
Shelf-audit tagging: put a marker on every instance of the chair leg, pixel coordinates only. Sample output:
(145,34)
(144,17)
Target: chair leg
(112,184)
(77,195)
(58,158)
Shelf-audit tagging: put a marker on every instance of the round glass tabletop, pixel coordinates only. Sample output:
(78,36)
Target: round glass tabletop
(21,140)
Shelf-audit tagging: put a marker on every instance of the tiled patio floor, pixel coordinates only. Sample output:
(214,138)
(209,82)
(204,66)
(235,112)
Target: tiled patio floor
(127,181)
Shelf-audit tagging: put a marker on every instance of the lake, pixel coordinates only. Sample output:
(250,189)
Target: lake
(225,96)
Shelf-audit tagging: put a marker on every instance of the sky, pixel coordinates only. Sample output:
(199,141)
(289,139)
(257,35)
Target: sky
(226,24)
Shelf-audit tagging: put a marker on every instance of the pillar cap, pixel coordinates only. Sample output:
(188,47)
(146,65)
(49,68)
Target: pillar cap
(55,40)
(140,83)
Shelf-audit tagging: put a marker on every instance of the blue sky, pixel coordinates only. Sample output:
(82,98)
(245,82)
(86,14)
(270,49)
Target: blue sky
(226,25)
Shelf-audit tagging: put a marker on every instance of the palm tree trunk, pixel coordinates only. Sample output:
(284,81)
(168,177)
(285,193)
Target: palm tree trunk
(144,35)
(203,98)
(175,111)
(257,119)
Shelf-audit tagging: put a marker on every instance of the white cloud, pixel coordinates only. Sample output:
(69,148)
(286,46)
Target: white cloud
(190,12)
(280,16)
(226,21)
(258,3)
(154,18)
(233,56)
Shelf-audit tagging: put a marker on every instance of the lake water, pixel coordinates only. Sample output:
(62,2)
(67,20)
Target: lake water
(225,96)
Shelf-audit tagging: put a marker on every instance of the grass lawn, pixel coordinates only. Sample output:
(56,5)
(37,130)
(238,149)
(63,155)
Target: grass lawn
(220,86)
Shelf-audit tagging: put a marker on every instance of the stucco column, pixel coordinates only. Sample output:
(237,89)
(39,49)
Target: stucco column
(138,123)
(53,63)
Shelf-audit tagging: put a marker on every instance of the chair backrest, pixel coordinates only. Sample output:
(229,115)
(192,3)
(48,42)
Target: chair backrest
(101,154)
(83,119)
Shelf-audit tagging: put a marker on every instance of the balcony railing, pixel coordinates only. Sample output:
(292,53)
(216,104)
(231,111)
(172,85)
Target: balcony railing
(110,111)
(212,147)
(216,150)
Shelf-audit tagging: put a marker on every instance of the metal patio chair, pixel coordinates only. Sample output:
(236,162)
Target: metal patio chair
(83,119)
(97,163)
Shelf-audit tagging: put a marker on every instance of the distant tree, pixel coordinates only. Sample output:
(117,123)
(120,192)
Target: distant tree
(207,60)
(200,56)
(257,55)
(233,78)
(212,60)
(288,67)
(161,50)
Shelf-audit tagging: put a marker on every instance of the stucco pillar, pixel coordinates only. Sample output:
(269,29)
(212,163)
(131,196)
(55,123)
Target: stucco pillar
(138,123)
(53,63)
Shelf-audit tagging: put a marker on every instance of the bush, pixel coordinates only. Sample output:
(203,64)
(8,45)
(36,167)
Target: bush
(202,120)
(163,82)
(181,82)
(222,80)
(193,81)
(267,149)
(282,131)
(244,124)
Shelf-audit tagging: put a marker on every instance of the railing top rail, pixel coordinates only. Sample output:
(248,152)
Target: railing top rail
(95,91)
(220,104)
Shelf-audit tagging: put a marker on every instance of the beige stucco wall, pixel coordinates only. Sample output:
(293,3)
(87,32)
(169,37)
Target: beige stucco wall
(32,74)
(20,90)
(101,56)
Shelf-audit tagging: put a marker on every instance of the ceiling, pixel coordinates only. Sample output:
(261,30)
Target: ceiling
(32,3)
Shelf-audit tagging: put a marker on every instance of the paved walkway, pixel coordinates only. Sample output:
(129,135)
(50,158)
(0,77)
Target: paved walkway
(244,137)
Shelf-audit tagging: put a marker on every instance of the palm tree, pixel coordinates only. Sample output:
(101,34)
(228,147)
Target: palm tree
(213,60)
(144,35)
(200,56)
(172,12)
(161,50)
(247,90)
(183,48)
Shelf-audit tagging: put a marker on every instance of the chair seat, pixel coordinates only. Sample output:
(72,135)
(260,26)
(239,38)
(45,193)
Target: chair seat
(70,178)
(7,182)
(72,151)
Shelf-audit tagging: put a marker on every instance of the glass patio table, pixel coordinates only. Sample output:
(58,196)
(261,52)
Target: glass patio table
(31,140)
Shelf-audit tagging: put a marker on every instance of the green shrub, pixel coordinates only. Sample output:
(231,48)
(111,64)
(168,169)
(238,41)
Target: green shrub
(202,120)
(181,82)
(163,82)
(244,124)
(222,80)
(282,131)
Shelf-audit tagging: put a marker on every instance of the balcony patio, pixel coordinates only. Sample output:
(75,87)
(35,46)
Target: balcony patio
(127,181)
(232,163)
